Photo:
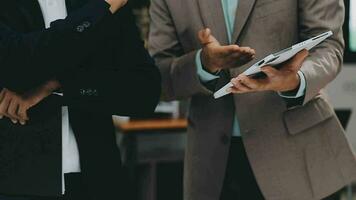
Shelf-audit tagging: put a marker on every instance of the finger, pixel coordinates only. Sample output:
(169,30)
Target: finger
(239,86)
(4,104)
(302,55)
(229,50)
(201,36)
(12,111)
(252,51)
(243,52)
(235,49)
(2,94)
(205,37)
(235,90)
(270,71)
(238,57)
(247,50)
(254,84)
(22,113)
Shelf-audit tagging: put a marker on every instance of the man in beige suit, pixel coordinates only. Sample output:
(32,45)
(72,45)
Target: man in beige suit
(293,145)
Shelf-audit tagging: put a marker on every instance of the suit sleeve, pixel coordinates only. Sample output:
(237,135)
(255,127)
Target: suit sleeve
(178,68)
(29,59)
(131,87)
(325,61)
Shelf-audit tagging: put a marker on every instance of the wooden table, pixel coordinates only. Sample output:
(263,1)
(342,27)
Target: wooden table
(131,130)
(151,125)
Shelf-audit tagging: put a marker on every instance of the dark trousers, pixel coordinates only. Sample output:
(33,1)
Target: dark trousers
(75,190)
(240,183)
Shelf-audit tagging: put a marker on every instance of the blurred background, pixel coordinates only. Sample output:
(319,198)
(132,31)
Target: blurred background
(153,149)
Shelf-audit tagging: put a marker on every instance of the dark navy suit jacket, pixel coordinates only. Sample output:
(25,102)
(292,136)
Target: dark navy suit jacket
(103,68)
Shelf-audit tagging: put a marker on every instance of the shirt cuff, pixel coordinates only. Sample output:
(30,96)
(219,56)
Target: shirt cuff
(203,75)
(301,90)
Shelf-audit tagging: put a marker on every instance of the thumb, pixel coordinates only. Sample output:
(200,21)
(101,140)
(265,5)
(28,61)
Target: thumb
(205,37)
(297,61)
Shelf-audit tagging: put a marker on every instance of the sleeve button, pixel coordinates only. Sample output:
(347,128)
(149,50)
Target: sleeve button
(86,24)
(80,28)
(82,92)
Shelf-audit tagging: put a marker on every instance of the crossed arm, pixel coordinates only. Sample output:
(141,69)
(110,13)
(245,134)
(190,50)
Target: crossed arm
(15,106)
(23,52)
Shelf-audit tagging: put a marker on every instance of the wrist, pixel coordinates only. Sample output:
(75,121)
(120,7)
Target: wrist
(211,70)
(297,82)
(206,64)
(294,86)
(47,89)
(51,86)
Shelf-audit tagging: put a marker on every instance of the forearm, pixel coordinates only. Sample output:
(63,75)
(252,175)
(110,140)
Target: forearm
(178,68)
(49,87)
(320,69)
(325,61)
(33,57)
(130,86)
(126,92)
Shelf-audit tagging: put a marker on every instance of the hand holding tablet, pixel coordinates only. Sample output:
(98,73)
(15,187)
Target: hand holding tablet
(276,59)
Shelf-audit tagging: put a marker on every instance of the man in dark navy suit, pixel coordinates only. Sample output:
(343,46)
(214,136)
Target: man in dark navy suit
(67,66)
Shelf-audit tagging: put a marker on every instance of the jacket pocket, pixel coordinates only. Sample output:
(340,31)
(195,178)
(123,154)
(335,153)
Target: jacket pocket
(302,118)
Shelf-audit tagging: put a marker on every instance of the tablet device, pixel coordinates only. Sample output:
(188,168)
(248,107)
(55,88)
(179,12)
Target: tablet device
(276,59)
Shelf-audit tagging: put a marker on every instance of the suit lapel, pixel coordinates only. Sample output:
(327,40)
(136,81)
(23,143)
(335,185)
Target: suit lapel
(213,17)
(31,10)
(242,14)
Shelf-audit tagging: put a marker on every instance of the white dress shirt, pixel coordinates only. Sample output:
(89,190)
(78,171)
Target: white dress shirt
(53,10)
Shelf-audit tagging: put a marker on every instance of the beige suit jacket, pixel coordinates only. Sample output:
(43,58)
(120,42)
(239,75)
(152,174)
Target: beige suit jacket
(298,153)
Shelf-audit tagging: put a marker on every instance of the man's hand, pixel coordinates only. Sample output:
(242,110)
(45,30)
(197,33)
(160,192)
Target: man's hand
(282,80)
(115,5)
(15,106)
(216,57)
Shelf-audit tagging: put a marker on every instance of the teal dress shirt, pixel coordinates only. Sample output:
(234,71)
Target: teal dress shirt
(229,9)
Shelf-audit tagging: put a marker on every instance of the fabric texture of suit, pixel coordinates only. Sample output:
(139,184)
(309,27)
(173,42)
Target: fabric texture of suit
(103,69)
(296,151)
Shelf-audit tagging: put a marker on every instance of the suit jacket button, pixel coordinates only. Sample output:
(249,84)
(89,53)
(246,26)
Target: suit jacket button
(89,92)
(82,92)
(86,24)
(95,93)
(225,139)
(80,28)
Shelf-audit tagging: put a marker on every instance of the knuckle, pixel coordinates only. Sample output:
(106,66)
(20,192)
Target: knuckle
(21,114)
(12,113)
